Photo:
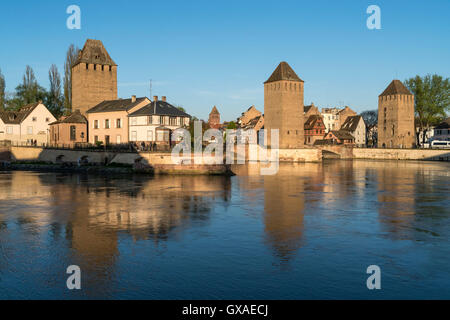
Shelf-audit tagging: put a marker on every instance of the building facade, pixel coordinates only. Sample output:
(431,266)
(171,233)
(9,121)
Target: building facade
(69,131)
(356,126)
(108,121)
(314,129)
(330,118)
(94,77)
(396,117)
(29,125)
(442,131)
(284,107)
(155,122)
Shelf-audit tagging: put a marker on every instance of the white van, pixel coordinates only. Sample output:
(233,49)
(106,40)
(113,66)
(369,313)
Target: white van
(440,144)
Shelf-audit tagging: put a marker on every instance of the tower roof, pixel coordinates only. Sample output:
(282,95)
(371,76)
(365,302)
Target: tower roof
(283,72)
(214,110)
(395,87)
(94,52)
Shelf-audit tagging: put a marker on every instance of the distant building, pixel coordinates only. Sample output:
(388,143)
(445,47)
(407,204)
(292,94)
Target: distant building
(344,114)
(214,119)
(442,131)
(311,110)
(27,125)
(336,137)
(314,129)
(69,131)
(396,117)
(330,118)
(94,77)
(284,107)
(155,122)
(248,116)
(357,127)
(108,121)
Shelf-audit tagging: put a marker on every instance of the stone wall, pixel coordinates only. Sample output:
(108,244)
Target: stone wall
(401,154)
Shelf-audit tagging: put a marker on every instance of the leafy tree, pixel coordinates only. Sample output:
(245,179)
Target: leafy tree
(29,91)
(432,101)
(71,56)
(55,101)
(181,108)
(2,91)
(370,117)
(231,125)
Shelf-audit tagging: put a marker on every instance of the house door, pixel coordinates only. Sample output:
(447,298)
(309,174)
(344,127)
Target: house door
(106,139)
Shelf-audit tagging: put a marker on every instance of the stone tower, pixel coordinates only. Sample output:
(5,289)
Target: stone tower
(284,107)
(396,117)
(94,77)
(214,118)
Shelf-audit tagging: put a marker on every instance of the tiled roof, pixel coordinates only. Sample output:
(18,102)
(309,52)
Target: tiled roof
(115,105)
(444,124)
(351,123)
(343,135)
(395,87)
(75,117)
(16,117)
(283,72)
(214,110)
(311,121)
(162,108)
(94,52)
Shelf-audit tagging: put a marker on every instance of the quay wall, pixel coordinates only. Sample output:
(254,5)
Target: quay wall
(401,154)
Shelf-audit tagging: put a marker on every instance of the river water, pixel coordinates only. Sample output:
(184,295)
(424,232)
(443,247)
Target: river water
(309,232)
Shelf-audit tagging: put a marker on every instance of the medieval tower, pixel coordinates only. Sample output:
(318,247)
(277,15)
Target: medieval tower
(94,77)
(396,117)
(214,118)
(283,107)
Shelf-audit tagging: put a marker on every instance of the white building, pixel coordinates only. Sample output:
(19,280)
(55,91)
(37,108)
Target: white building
(330,118)
(156,121)
(442,131)
(357,127)
(30,123)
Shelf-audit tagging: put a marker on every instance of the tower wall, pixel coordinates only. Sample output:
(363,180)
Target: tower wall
(283,110)
(92,85)
(396,121)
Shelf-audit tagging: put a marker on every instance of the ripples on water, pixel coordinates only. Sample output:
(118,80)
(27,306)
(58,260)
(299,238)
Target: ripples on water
(308,232)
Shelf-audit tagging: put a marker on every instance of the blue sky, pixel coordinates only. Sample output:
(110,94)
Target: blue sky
(205,53)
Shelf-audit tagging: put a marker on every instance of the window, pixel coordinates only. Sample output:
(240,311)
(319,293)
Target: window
(95,66)
(34,119)
(107,124)
(29,130)
(119,123)
(110,68)
(82,135)
(47,119)
(95,124)
(161,119)
(87,66)
(95,139)
(149,119)
(9,130)
(118,139)
(73,133)
(133,121)
(173,121)
(103,68)
(133,135)
(106,139)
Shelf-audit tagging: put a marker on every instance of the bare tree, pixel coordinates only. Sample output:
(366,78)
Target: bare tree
(2,91)
(371,119)
(55,99)
(71,56)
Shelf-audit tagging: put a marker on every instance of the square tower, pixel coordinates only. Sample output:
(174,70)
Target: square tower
(396,117)
(284,107)
(94,77)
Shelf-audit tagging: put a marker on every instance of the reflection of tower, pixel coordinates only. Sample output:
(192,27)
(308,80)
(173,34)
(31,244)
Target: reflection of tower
(283,106)
(396,117)
(284,206)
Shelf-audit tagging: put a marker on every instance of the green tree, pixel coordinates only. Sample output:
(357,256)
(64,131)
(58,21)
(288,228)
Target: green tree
(432,100)
(71,56)
(55,101)
(2,91)
(181,108)
(231,125)
(29,91)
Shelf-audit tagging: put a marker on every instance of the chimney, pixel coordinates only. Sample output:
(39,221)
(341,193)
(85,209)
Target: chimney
(155,98)
(164,98)
(133,99)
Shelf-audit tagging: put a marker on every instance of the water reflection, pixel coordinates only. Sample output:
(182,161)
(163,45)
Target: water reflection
(91,220)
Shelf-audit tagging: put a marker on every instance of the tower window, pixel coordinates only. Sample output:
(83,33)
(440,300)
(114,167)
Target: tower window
(103,68)
(110,68)
(95,66)
(87,66)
